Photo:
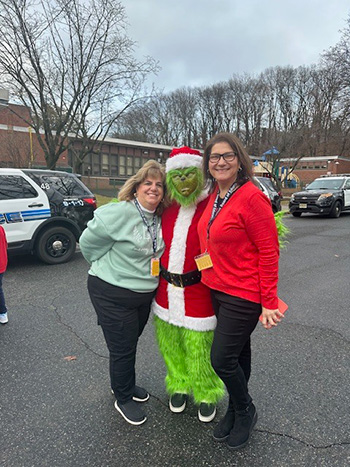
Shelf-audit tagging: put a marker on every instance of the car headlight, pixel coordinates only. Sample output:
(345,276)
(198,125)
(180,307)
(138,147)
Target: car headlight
(292,197)
(325,197)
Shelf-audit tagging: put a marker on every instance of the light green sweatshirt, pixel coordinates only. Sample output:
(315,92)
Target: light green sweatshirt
(118,246)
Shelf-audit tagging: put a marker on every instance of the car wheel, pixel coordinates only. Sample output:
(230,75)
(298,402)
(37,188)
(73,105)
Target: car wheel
(56,245)
(296,214)
(336,210)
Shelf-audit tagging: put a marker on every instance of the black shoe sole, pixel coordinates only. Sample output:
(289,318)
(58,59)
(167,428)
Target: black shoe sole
(220,440)
(235,448)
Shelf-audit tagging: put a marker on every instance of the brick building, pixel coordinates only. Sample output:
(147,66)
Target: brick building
(117,159)
(309,168)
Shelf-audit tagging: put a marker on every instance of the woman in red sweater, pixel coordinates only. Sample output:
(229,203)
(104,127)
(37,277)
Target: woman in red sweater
(239,263)
(3,265)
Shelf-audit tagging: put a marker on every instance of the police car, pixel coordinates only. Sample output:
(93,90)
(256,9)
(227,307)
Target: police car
(328,195)
(44,212)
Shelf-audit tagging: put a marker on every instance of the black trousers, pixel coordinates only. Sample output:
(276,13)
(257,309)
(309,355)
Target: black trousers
(122,315)
(231,352)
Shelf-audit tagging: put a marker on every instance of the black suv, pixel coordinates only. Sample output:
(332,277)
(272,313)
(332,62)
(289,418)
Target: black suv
(44,212)
(328,195)
(270,190)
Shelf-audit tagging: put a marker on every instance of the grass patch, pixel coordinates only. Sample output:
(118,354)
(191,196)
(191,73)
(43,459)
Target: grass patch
(101,200)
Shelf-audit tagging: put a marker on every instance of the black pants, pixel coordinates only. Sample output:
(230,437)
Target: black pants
(230,352)
(122,315)
(3,308)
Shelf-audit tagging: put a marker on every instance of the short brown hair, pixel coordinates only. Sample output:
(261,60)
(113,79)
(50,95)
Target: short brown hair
(246,172)
(151,169)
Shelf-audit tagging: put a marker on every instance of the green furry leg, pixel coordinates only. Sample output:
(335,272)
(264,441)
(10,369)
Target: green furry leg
(171,345)
(205,383)
(186,355)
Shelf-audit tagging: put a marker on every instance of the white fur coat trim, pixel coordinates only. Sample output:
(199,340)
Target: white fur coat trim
(176,295)
(202,324)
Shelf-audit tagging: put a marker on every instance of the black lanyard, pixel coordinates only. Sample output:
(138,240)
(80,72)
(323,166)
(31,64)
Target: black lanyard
(218,206)
(151,230)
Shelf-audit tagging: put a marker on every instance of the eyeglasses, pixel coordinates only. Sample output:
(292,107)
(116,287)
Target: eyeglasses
(228,157)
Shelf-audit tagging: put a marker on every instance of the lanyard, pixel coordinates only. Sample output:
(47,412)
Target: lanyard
(217,208)
(152,231)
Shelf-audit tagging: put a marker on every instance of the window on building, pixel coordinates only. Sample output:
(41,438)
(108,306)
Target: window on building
(137,163)
(122,165)
(96,164)
(129,166)
(114,164)
(105,164)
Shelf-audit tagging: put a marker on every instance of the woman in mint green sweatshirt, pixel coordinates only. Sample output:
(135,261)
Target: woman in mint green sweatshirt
(123,244)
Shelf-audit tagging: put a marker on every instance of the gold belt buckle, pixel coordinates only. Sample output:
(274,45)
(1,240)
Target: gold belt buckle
(172,275)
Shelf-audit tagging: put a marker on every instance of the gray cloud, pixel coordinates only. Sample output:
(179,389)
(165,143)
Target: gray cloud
(203,42)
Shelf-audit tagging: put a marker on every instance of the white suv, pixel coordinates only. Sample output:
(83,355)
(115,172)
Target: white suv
(44,212)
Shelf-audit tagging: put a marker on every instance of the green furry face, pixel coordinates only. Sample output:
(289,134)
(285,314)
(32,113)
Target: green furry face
(185,185)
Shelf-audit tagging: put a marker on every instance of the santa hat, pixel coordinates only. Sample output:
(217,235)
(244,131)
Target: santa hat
(179,158)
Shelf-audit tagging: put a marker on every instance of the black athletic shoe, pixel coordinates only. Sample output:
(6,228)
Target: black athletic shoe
(131,412)
(140,394)
(177,402)
(206,412)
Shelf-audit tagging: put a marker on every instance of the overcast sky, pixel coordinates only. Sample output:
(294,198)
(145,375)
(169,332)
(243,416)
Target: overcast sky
(201,42)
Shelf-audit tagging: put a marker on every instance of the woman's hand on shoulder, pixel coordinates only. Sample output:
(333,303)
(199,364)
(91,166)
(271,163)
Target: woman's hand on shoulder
(270,318)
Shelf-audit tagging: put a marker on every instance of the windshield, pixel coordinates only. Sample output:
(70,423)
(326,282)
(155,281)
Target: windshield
(268,183)
(326,184)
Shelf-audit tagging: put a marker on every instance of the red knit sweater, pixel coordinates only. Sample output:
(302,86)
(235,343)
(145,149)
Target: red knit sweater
(243,246)
(3,250)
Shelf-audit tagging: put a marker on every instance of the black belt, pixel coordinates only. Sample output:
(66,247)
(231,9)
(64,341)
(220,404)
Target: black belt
(181,280)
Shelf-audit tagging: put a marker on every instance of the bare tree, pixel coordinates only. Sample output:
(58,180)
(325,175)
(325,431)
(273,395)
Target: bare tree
(72,63)
(336,63)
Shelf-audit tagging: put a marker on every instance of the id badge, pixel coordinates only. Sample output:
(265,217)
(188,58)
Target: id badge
(155,267)
(203,261)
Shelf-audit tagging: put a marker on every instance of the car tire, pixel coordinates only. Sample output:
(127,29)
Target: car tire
(336,210)
(296,214)
(55,245)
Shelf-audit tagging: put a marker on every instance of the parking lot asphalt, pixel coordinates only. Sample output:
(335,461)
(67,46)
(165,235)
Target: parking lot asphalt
(58,411)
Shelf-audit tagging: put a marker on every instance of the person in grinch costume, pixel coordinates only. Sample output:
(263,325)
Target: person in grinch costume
(184,317)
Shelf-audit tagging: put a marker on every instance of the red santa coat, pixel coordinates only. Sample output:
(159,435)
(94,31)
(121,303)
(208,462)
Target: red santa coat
(3,250)
(188,307)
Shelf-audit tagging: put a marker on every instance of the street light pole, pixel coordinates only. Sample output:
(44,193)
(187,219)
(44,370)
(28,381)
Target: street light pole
(31,147)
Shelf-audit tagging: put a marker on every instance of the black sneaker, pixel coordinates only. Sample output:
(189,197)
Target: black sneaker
(225,425)
(140,394)
(177,402)
(131,412)
(245,421)
(206,412)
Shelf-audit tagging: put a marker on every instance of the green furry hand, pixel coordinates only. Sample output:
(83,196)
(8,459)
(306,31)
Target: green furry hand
(282,229)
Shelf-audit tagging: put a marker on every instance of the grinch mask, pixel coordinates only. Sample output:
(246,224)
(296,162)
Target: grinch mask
(185,185)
